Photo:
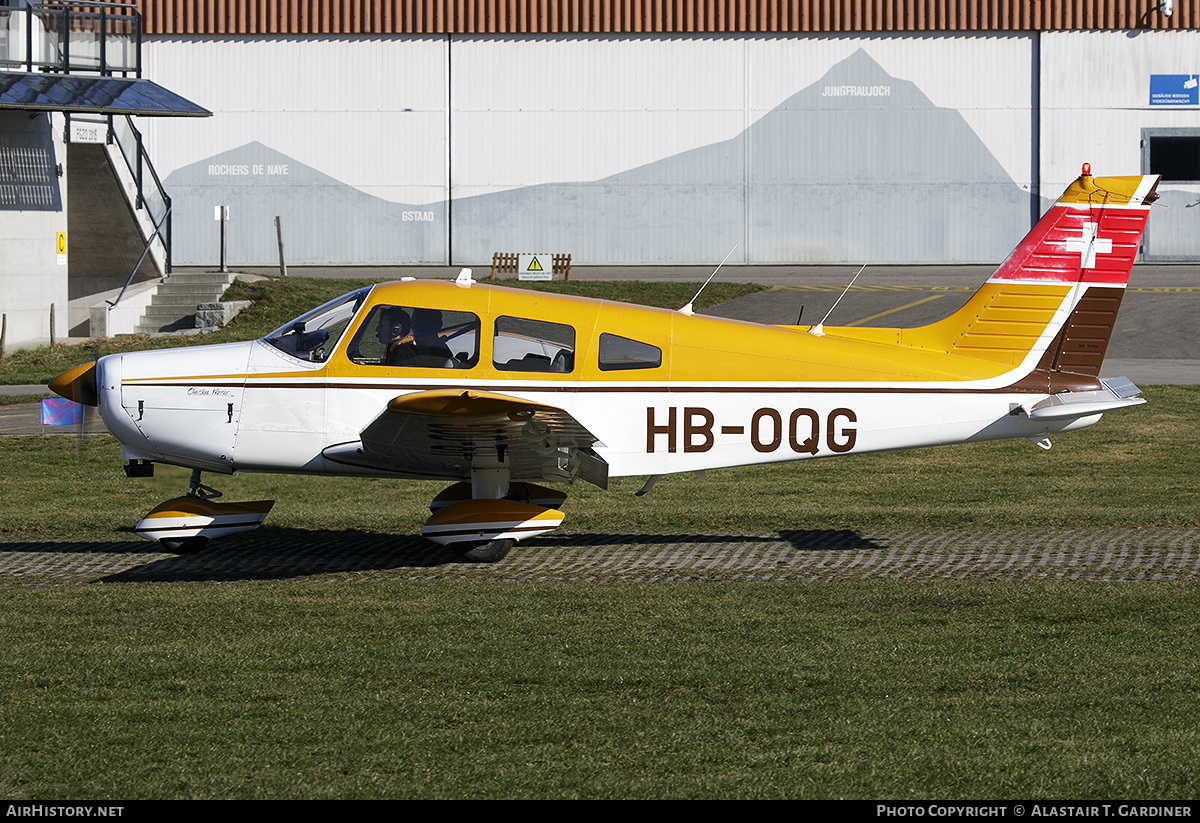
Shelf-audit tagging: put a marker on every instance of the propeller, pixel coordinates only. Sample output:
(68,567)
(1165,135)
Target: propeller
(87,408)
(79,385)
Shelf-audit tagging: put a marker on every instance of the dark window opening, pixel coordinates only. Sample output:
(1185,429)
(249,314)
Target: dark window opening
(620,353)
(1175,158)
(417,338)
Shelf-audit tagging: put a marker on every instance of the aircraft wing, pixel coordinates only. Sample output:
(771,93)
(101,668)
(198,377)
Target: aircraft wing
(443,433)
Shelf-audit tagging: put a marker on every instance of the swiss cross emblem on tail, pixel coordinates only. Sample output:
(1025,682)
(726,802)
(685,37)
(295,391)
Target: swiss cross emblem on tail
(1089,245)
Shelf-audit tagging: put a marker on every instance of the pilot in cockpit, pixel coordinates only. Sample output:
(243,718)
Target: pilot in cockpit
(392,332)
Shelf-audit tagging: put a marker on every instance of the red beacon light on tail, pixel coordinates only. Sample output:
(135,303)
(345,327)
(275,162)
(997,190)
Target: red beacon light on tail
(1087,169)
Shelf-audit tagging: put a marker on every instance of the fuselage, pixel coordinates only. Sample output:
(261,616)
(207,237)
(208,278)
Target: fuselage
(660,390)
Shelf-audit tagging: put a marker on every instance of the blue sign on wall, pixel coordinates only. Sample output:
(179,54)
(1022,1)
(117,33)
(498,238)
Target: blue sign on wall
(1174,90)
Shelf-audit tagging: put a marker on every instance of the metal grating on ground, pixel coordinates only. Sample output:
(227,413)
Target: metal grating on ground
(278,554)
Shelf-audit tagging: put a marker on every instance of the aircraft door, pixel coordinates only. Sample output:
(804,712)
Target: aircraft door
(284,421)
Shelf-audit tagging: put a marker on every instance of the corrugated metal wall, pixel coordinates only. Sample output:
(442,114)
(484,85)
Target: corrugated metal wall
(633,150)
(1085,103)
(659,16)
(653,148)
(798,149)
(345,138)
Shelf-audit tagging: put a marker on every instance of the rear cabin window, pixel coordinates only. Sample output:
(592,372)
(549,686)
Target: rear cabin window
(521,344)
(620,353)
(415,337)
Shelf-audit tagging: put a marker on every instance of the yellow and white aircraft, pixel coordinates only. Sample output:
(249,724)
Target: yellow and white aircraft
(500,389)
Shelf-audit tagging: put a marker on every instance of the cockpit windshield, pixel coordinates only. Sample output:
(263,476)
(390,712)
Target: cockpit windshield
(313,335)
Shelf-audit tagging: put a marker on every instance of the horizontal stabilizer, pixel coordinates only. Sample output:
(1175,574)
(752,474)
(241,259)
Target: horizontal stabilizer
(1115,393)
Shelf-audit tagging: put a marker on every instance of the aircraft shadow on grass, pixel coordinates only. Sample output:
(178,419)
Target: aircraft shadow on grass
(276,554)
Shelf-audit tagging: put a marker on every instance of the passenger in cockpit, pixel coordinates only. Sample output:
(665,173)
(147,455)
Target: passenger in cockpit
(426,348)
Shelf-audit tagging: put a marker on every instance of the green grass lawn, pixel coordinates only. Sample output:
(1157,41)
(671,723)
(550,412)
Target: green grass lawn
(874,689)
(334,687)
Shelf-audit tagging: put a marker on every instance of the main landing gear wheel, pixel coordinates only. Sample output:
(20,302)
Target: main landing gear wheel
(490,552)
(185,545)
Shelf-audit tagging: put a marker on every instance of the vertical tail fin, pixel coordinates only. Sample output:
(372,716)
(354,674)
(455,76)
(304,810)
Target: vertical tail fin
(1051,305)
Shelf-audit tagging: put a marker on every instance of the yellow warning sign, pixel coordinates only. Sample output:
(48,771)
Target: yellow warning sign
(535,267)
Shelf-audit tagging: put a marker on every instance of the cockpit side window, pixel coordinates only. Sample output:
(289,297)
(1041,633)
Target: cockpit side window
(417,337)
(620,353)
(521,344)
(312,336)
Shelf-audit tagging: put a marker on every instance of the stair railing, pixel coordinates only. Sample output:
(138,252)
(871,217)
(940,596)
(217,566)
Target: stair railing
(165,219)
(150,192)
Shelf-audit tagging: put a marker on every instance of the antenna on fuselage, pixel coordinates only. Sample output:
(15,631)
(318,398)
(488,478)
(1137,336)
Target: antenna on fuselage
(688,308)
(819,329)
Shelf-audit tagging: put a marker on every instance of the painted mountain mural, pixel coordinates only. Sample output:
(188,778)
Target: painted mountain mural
(857,167)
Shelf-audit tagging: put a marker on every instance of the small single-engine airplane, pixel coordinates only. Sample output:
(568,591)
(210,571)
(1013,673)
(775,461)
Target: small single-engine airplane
(500,390)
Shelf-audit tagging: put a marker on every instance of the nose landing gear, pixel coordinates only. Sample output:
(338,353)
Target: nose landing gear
(184,525)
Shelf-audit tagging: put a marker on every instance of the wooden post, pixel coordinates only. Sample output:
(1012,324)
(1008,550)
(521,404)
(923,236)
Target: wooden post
(279,238)
(3,332)
(51,324)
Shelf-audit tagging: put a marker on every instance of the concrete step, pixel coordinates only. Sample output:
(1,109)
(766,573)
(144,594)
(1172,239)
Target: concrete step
(182,324)
(187,293)
(170,311)
(200,277)
(164,318)
(174,305)
(192,296)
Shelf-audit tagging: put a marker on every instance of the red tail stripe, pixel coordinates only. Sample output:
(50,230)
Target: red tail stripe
(1072,245)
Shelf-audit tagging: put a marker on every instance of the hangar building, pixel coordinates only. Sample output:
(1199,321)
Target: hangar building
(653,132)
